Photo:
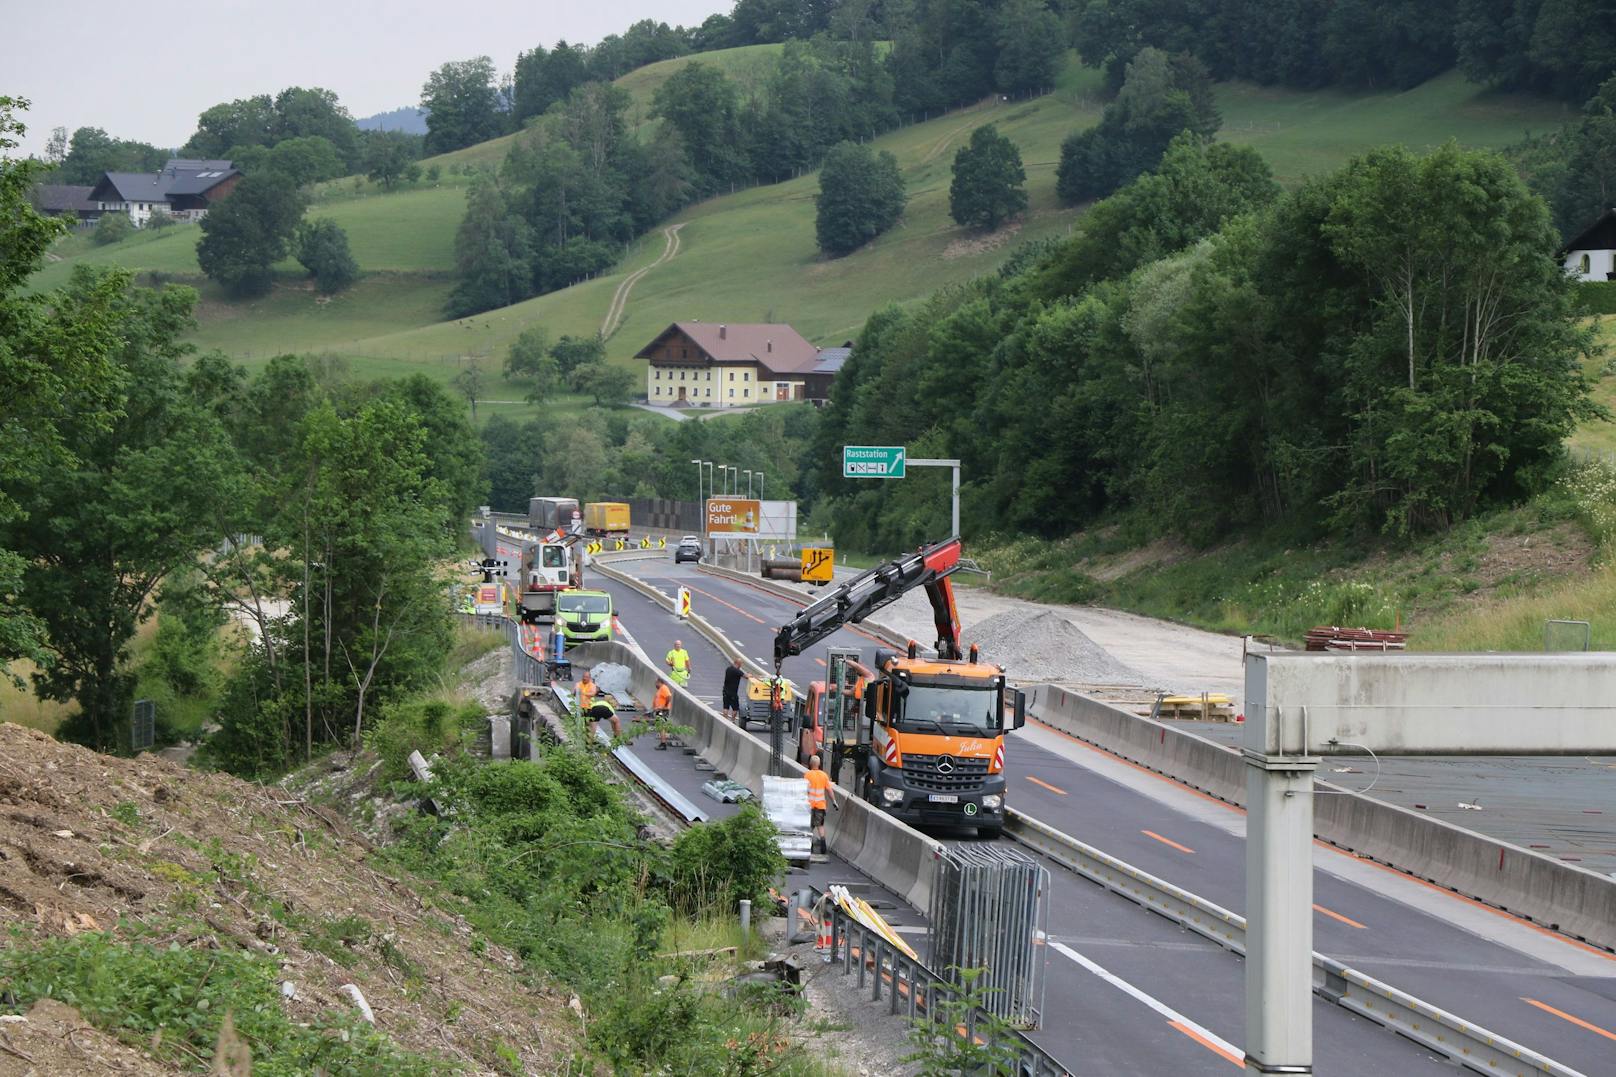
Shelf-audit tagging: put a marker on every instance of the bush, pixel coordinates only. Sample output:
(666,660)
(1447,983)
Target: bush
(716,865)
(322,247)
(1594,296)
(111,228)
(860,196)
(427,726)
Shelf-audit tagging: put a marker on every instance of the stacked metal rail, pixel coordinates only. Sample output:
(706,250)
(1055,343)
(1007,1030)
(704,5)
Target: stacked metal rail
(989,911)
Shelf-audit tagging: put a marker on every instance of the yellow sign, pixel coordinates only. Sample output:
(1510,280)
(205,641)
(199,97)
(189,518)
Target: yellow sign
(684,602)
(733,516)
(817,564)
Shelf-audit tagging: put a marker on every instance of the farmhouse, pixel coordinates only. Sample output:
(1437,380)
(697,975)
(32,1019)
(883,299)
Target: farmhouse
(1592,255)
(65,200)
(724,365)
(183,189)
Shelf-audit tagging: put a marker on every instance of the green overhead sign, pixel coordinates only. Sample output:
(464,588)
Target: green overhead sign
(873,461)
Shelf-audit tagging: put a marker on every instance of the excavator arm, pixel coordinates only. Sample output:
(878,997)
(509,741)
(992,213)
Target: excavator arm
(874,588)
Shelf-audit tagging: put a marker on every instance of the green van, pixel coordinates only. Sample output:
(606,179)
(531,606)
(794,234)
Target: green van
(584,616)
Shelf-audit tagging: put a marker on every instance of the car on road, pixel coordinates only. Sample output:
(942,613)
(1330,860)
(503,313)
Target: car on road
(689,549)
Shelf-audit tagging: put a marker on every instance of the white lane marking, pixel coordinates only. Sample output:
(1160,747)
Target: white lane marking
(1149,1000)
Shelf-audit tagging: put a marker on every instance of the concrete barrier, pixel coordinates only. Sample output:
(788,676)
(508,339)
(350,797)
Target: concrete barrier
(1557,895)
(889,851)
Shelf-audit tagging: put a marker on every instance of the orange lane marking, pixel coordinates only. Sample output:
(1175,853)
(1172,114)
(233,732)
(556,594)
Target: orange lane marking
(1579,1022)
(1167,841)
(1349,921)
(1208,1044)
(1046,785)
(1540,929)
(721,602)
(821,661)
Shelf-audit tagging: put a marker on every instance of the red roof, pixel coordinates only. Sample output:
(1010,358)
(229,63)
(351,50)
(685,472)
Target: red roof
(778,347)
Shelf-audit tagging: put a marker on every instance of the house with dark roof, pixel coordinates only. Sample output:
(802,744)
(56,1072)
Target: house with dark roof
(65,200)
(819,379)
(183,189)
(1592,254)
(727,365)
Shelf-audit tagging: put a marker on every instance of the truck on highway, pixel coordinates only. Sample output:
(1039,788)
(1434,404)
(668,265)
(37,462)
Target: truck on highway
(930,746)
(550,565)
(606,518)
(551,513)
(584,616)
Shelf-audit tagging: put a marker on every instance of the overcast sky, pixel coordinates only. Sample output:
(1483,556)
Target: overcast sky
(146,74)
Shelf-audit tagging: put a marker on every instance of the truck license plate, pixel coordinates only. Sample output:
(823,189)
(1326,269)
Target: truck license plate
(943,798)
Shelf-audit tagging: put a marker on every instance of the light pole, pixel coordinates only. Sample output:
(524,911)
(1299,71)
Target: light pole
(760,484)
(698,480)
(711,489)
(748,474)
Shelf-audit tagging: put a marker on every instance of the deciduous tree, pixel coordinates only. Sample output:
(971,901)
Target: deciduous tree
(244,235)
(861,195)
(989,182)
(322,247)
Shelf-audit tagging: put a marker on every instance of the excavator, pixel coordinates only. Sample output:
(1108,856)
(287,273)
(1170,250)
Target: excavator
(926,735)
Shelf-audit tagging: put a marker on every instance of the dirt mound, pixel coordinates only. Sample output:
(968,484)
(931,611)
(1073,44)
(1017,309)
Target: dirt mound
(93,843)
(1043,646)
(53,1038)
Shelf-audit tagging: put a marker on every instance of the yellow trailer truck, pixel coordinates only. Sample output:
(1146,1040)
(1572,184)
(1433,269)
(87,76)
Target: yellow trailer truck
(606,518)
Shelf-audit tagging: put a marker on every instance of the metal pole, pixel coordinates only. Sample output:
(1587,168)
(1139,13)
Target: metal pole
(698,481)
(760,485)
(746,920)
(749,482)
(1279,882)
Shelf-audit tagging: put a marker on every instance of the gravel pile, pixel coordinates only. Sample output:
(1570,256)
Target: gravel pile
(1046,647)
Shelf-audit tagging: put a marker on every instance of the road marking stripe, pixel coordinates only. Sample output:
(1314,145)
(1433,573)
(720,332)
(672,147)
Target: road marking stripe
(1349,921)
(1167,841)
(821,661)
(1046,785)
(1208,1044)
(1399,872)
(721,602)
(1203,1036)
(1579,1022)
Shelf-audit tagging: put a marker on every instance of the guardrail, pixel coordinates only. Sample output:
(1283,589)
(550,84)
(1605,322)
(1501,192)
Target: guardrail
(1460,1041)
(1560,896)
(925,995)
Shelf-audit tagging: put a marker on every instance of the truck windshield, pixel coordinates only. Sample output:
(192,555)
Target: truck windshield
(585,603)
(965,711)
(553,557)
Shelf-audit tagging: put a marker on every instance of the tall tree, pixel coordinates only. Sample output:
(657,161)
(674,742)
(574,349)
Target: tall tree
(861,195)
(92,151)
(989,184)
(493,253)
(1031,43)
(461,100)
(137,504)
(55,368)
(246,234)
(701,104)
(322,248)
(390,158)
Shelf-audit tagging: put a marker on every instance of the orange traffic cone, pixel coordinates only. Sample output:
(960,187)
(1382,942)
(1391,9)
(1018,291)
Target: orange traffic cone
(826,942)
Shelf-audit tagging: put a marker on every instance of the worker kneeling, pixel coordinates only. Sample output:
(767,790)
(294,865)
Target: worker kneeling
(602,711)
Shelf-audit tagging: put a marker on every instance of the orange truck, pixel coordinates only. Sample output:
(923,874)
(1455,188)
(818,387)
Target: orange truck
(929,745)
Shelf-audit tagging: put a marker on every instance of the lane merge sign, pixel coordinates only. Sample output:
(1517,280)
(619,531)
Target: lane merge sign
(873,461)
(817,564)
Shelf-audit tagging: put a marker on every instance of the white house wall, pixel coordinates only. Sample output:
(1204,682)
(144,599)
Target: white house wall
(1601,264)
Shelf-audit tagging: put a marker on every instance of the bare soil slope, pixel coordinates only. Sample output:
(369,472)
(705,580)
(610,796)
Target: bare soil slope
(94,843)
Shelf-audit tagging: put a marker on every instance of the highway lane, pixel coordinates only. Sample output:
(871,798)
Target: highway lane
(1536,998)
(1167,1002)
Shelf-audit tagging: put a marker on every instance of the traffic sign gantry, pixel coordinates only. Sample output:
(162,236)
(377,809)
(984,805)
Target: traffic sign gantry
(873,461)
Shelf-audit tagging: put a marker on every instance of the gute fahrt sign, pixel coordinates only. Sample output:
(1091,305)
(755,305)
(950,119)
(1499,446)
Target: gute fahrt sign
(733,516)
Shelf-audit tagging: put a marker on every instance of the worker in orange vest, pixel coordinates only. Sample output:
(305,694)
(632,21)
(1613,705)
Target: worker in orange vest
(586,692)
(819,797)
(660,706)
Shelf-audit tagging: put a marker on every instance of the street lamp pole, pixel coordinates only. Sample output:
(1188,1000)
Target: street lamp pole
(760,485)
(748,482)
(698,480)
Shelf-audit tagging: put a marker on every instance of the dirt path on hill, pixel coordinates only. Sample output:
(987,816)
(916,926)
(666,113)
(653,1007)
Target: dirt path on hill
(619,304)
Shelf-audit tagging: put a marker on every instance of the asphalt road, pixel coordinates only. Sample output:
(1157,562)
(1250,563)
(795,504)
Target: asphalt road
(1131,993)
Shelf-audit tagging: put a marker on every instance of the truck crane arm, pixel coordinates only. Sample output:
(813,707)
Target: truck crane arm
(874,588)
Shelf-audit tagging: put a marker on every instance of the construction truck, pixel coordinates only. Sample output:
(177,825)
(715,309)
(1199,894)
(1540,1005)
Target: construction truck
(551,563)
(927,742)
(606,518)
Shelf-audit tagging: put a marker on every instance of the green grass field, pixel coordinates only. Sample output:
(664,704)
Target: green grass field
(751,256)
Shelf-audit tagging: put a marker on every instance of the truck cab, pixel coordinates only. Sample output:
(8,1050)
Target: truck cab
(937,741)
(584,616)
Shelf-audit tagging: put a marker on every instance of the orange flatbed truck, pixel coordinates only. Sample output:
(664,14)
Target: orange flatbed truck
(930,746)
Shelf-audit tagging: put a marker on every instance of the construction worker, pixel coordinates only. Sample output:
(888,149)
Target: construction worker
(819,797)
(678,663)
(661,704)
(601,710)
(733,676)
(586,693)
